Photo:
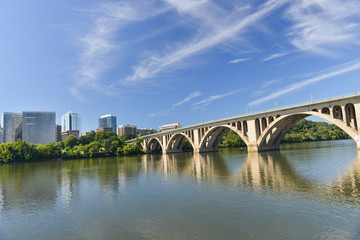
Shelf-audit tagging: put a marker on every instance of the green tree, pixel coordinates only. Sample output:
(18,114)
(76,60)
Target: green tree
(128,136)
(71,141)
(86,139)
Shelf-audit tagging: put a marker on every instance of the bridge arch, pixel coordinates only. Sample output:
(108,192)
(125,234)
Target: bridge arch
(153,145)
(176,142)
(271,137)
(211,139)
(350,116)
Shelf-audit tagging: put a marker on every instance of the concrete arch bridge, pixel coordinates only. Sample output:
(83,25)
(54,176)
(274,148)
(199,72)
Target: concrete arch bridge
(260,131)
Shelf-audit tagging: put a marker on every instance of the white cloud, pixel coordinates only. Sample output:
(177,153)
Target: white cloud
(223,28)
(297,86)
(271,82)
(177,104)
(275,55)
(320,24)
(239,60)
(98,43)
(203,103)
(191,96)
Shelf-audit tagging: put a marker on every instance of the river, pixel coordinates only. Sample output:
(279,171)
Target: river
(304,191)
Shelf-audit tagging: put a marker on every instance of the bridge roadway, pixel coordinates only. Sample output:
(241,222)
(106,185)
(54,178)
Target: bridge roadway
(260,131)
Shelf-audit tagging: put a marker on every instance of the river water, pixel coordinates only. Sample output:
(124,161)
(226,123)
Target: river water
(304,191)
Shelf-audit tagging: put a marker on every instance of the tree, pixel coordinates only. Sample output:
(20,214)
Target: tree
(71,141)
(86,139)
(128,136)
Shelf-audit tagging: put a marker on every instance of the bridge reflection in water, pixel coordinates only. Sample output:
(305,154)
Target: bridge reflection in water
(50,183)
(258,171)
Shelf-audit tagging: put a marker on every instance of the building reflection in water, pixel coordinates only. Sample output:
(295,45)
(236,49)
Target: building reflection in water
(66,191)
(1,196)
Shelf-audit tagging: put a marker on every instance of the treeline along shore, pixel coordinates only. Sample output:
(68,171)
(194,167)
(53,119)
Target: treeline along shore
(108,144)
(91,145)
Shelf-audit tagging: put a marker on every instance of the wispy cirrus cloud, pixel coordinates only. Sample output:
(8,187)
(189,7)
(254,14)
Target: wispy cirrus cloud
(265,86)
(275,55)
(239,60)
(177,104)
(217,26)
(205,102)
(320,24)
(187,99)
(271,82)
(98,44)
(299,85)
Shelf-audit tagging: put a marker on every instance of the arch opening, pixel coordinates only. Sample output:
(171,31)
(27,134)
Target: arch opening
(220,137)
(271,119)
(337,112)
(325,110)
(179,143)
(288,130)
(245,128)
(350,116)
(257,128)
(154,146)
(263,124)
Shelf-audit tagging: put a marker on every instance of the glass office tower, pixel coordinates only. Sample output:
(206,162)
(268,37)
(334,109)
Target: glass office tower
(38,127)
(71,121)
(12,126)
(108,121)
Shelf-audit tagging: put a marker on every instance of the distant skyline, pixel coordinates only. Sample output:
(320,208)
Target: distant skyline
(155,62)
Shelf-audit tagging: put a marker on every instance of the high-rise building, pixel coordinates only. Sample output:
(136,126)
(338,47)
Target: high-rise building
(1,135)
(126,129)
(12,126)
(108,121)
(58,133)
(71,121)
(38,127)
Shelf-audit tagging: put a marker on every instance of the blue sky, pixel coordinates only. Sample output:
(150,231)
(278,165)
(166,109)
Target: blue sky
(153,62)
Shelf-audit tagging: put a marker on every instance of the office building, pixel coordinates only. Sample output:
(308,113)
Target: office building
(12,126)
(65,134)
(170,126)
(108,121)
(104,129)
(1,135)
(58,133)
(38,127)
(126,129)
(71,121)
(88,132)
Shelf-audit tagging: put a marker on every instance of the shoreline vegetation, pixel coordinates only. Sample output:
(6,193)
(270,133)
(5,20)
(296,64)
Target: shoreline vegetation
(91,145)
(108,144)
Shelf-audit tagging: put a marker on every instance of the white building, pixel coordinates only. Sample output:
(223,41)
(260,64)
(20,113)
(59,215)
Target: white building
(170,126)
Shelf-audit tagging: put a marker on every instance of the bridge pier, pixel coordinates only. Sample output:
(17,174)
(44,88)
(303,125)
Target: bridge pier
(253,148)
(358,144)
